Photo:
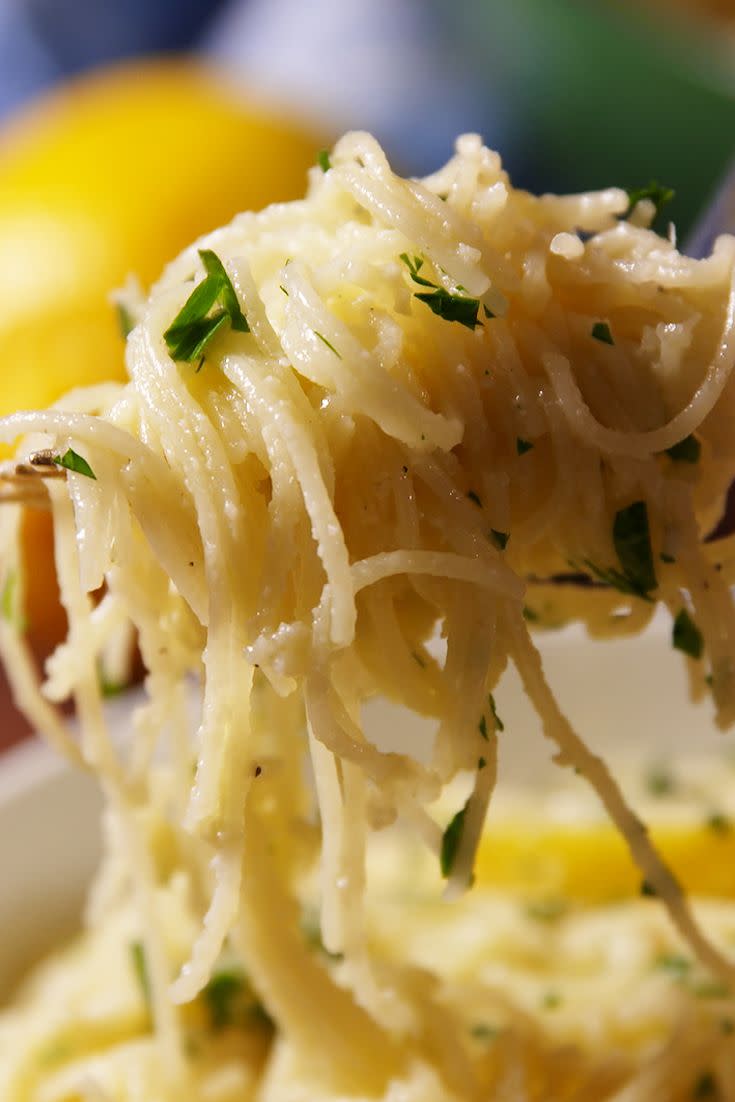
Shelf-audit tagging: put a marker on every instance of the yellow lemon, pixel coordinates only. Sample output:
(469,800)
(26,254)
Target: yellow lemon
(590,862)
(115,174)
(111,175)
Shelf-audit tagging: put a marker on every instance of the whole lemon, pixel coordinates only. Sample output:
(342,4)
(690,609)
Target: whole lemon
(114,174)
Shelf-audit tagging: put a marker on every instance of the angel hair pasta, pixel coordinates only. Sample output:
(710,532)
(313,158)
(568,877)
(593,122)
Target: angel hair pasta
(361,433)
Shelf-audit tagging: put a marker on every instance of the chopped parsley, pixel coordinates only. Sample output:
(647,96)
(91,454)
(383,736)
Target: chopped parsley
(74,462)
(664,557)
(481,763)
(499,725)
(230,1000)
(474,497)
(329,345)
(140,968)
(482,1031)
(488,313)
(414,265)
(682,970)
(221,996)
(632,541)
(601,332)
(451,307)
(719,823)
(687,450)
(451,840)
(710,989)
(659,195)
(194,326)
(125,320)
(648,889)
(497,721)
(660,782)
(445,304)
(546,910)
(500,539)
(551,1000)
(530,614)
(323,160)
(705,1086)
(110,688)
(675,964)
(312,931)
(523,446)
(686,636)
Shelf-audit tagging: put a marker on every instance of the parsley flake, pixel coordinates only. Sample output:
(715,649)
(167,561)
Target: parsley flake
(481,763)
(719,823)
(500,539)
(648,889)
(109,688)
(686,636)
(194,326)
(601,332)
(484,1032)
(140,968)
(632,541)
(523,446)
(220,995)
(414,265)
(659,195)
(329,345)
(451,840)
(687,450)
(230,1001)
(710,989)
(660,782)
(482,728)
(675,964)
(705,1086)
(451,307)
(474,497)
(125,320)
(74,462)
(546,910)
(323,160)
(499,725)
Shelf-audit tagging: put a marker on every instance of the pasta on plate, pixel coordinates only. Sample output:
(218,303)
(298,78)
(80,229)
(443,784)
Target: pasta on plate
(360,435)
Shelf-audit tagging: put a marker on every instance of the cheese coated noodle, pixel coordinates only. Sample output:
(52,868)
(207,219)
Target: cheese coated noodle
(447,392)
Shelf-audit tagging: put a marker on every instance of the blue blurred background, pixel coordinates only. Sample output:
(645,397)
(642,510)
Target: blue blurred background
(574,94)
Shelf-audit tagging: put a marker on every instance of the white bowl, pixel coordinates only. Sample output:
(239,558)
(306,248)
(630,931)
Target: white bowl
(625,697)
(49,847)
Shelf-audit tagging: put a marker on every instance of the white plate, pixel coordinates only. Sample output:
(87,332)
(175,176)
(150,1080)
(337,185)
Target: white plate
(621,696)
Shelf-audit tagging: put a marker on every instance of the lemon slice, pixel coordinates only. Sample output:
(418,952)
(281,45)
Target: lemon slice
(590,863)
